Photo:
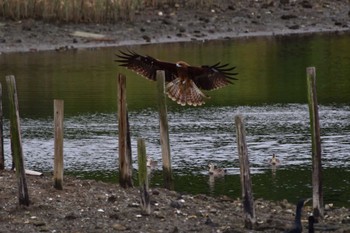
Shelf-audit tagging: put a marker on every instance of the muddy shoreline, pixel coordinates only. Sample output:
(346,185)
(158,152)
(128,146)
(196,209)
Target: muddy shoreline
(93,206)
(231,19)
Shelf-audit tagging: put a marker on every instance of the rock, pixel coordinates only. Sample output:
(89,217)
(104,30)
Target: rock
(159,215)
(284,2)
(231,8)
(176,204)
(112,199)
(155,192)
(119,227)
(182,29)
(71,216)
(166,22)
(27,25)
(209,222)
(294,27)
(38,223)
(175,230)
(337,23)
(306,4)
(268,3)
(286,17)
(146,38)
(346,220)
(205,20)
(134,205)
(114,216)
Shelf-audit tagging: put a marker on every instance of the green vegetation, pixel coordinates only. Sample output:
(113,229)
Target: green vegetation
(87,11)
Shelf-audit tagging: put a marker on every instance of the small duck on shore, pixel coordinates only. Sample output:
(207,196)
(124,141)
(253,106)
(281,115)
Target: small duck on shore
(151,164)
(274,161)
(215,170)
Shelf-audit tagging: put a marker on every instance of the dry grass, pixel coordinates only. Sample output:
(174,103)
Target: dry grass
(97,11)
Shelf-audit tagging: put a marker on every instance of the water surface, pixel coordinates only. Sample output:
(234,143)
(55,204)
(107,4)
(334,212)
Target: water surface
(270,94)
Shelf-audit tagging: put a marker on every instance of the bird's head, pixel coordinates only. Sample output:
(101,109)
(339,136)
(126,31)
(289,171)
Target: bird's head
(307,200)
(182,64)
(302,202)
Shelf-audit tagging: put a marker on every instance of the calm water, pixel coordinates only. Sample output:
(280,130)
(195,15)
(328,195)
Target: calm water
(270,94)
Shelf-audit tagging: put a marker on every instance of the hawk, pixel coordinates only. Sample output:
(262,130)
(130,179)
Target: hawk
(184,82)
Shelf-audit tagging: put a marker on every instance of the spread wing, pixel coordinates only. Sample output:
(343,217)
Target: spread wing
(212,77)
(146,66)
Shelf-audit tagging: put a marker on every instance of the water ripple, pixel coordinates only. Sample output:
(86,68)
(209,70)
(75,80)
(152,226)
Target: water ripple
(197,136)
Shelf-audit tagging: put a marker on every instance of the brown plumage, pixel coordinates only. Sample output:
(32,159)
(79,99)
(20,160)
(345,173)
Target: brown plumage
(183,81)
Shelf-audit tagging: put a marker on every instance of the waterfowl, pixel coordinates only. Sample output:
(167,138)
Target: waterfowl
(297,227)
(184,82)
(274,161)
(151,164)
(215,170)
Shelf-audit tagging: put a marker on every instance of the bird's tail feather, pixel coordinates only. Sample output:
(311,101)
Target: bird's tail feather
(185,92)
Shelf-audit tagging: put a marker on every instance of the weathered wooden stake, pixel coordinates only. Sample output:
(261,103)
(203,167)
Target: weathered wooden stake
(317,194)
(58,154)
(246,182)
(125,168)
(16,141)
(2,157)
(164,131)
(143,176)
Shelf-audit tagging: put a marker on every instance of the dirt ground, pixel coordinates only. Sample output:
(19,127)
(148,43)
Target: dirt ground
(92,206)
(229,19)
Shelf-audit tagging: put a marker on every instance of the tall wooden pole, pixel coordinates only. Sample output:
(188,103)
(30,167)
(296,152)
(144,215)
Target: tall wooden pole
(317,194)
(125,168)
(246,182)
(164,131)
(2,157)
(143,176)
(58,154)
(16,141)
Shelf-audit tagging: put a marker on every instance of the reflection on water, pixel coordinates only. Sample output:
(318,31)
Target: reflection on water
(270,94)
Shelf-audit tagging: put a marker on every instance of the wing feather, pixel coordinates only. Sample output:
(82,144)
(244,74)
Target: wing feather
(146,66)
(212,77)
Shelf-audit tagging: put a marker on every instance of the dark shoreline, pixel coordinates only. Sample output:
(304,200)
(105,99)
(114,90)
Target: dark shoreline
(231,19)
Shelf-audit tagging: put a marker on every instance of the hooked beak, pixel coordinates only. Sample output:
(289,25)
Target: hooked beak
(307,200)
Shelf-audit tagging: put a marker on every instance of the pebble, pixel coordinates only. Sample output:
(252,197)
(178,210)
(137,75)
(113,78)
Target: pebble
(38,223)
(119,227)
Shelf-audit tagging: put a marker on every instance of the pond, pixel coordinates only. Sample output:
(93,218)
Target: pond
(270,94)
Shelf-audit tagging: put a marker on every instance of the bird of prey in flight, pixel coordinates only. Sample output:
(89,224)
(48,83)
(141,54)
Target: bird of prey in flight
(184,82)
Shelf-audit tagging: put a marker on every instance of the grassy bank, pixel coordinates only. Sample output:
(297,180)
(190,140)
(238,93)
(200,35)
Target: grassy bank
(94,11)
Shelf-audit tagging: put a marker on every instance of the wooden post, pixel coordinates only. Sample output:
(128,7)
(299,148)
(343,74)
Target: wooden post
(143,176)
(58,154)
(125,168)
(246,183)
(2,157)
(16,141)
(317,194)
(164,131)
(128,145)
